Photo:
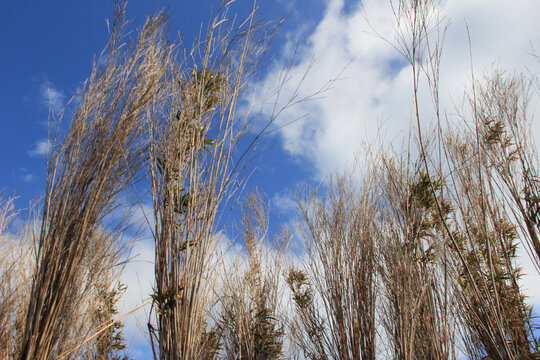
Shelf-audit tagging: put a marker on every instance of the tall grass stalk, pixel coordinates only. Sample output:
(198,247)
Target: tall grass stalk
(191,149)
(335,299)
(87,170)
(413,266)
(249,322)
(485,225)
(15,276)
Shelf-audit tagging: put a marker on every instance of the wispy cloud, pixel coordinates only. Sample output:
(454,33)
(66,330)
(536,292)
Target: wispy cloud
(25,175)
(41,148)
(373,97)
(284,202)
(51,97)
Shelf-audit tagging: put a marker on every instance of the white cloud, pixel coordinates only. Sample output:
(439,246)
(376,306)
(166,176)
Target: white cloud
(28,178)
(529,281)
(373,97)
(50,97)
(138,276)
(284,202)
(41,148)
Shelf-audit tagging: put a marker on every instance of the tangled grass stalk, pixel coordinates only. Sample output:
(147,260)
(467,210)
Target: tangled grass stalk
(335,299)
(192,140)
(249,323)
(99,156)
(15,277)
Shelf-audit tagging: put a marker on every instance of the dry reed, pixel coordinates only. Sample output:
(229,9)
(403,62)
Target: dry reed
(335,299)
(249,323)
(191,151)
(99,156)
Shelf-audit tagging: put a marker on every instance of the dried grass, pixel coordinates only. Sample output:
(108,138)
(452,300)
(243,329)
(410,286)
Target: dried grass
(191,151)
(249,321)
(100,155)
(335,299)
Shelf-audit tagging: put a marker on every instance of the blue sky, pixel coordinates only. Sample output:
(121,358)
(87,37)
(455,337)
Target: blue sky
(47,48)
